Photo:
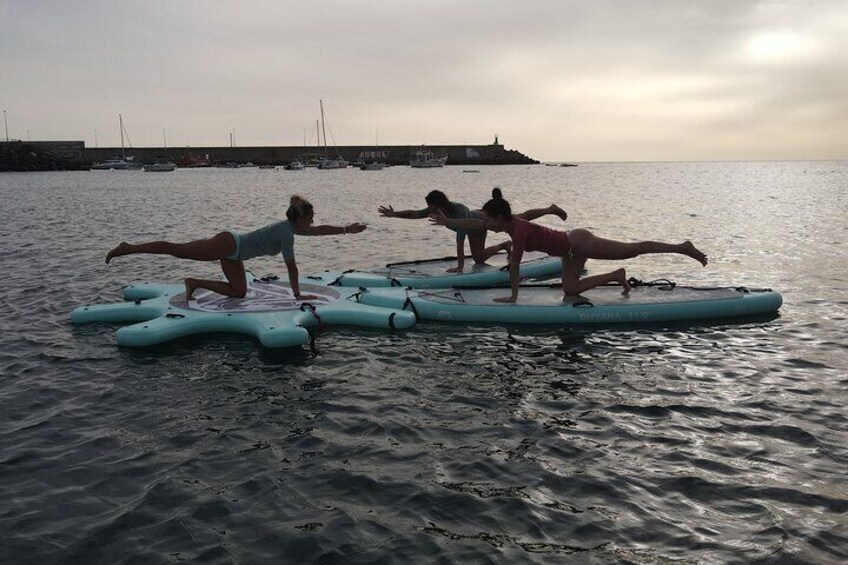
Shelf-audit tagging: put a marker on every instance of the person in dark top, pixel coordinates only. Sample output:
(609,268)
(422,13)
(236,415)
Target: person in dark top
(437,201)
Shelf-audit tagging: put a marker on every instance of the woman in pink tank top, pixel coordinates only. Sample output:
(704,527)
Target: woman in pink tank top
(575,247)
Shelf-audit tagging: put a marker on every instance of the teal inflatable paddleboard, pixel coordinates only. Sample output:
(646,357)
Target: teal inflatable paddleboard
(268,312)
(647,302)
(432,273)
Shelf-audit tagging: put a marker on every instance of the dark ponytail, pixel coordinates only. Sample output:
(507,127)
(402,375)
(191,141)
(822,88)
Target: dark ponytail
(497,207)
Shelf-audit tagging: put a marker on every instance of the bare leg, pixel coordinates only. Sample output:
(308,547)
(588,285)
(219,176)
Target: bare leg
(588,245)
(235,287)
(213,249)
(480,253)
(573,285)
(535,213)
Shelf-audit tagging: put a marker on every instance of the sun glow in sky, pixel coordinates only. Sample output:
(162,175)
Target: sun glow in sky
(779,46)
(556,79)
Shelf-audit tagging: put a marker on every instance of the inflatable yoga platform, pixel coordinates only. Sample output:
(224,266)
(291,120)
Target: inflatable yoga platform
(659,301)
(268,312)
(432,273)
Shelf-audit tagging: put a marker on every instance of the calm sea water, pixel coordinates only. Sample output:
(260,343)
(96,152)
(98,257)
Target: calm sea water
(693,443)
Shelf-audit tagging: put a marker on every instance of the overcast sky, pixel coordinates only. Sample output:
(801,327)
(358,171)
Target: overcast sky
(592,80)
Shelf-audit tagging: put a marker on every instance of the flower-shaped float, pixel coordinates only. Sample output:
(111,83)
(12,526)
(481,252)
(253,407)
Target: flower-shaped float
(269,312)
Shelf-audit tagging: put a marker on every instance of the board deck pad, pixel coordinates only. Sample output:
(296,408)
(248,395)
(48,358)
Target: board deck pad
(432,273)
(270,296)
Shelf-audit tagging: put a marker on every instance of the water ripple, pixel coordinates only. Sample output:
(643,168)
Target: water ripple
(677,443)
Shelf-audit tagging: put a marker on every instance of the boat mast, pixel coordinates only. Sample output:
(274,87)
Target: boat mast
(323,128)
(121,124)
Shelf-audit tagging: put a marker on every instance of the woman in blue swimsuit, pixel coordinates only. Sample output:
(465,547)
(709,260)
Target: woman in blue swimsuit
(232,249)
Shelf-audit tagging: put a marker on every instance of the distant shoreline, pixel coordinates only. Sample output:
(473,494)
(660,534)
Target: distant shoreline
(72,155)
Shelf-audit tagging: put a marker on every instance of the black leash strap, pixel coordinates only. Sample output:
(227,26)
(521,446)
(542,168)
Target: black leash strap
(421,261)
(338,280)
(664,284)
(311,307)
(408,302)
(313,335)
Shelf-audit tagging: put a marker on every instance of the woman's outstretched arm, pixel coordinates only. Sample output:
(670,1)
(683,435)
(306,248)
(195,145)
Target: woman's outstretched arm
(389,212)
(355,227)
(439,219)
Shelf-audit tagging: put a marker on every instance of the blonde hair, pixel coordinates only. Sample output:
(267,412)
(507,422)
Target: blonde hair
(298,206)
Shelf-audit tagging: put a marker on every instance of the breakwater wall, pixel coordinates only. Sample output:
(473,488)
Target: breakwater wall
(19,155)
(281,155)
(74,154)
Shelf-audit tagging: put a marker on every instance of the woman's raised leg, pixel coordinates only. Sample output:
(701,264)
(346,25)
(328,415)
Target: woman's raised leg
(535,213)
(585,243)
(215,248)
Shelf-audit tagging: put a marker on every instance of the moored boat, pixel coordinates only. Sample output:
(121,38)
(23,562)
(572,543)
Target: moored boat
(116,164)
(122,163)
(423,158)
(160,167)
(337,163)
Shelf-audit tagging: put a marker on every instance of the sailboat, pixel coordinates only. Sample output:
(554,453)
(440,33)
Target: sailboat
(122,163)
(326,162)
(161,165)
(376,155)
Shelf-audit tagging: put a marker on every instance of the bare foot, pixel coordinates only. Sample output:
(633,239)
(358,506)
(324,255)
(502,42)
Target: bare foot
(190,286)
(563,215)
(621,277)
(122,248)
(689,249)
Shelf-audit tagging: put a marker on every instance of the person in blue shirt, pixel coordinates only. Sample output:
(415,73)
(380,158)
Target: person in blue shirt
(233,248)
(438,202)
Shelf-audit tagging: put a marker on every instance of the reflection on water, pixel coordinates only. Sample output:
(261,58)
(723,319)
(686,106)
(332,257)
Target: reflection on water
(718,442)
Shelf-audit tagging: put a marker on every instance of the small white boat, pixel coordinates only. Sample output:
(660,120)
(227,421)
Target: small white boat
(295,166)
(425,159)
(160,167)
(337,163)
(116,164)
